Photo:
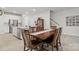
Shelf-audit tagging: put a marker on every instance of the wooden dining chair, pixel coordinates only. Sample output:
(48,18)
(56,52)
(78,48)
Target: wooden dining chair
(32,29)
(28,43)
(48,41)
(59,38)
(39,28)
(40,24)
(56,41)
(53,27)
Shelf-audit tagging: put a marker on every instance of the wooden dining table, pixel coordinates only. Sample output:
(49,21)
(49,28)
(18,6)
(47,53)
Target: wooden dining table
(42,35)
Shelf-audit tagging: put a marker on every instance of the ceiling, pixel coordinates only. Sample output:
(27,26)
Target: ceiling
(33,10)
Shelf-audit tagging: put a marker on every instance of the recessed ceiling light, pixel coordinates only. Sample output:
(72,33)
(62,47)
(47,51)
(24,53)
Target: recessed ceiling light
(33,10)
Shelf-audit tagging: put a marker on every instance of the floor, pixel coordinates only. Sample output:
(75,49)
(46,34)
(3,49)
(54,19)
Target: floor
(10,43)
(70,43)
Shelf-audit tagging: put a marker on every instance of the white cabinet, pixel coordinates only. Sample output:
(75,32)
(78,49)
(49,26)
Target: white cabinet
(14,32)
(17,32)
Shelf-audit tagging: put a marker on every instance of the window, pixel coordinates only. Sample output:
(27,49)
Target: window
(72,20)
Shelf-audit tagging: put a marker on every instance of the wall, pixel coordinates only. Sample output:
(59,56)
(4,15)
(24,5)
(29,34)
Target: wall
(45,15)
(4,28)
(27,20)
(52,22)
(24,20)
(60,17)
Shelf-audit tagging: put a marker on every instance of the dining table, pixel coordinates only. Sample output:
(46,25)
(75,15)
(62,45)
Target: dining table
(42,35)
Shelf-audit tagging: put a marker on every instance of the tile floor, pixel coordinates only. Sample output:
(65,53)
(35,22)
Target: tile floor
(70,43)
(10,43)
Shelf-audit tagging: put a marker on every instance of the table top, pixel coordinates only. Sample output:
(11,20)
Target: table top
(40,32)
(43,34)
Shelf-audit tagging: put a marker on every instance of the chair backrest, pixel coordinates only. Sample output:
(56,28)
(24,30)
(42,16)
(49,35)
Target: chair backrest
(40,28)
(26,38)
(40,24)
(53,27)
(32,29)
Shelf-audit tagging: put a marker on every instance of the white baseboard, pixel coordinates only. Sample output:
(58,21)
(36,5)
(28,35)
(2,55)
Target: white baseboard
(70,35)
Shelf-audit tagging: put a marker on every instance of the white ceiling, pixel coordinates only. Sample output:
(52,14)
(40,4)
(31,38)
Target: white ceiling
(32,10)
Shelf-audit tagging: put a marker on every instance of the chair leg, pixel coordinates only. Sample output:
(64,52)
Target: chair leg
(52,48)
(30,49)
(57,47)
(26,50)
(59,42)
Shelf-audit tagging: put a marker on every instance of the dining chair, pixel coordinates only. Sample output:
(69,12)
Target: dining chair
(28,43)
(48,41)
(56,41)
(40,24)
(32,29)
(60,32)
(53,27)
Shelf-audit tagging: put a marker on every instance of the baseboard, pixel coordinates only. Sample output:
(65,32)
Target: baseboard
(70,35)
(17,37)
